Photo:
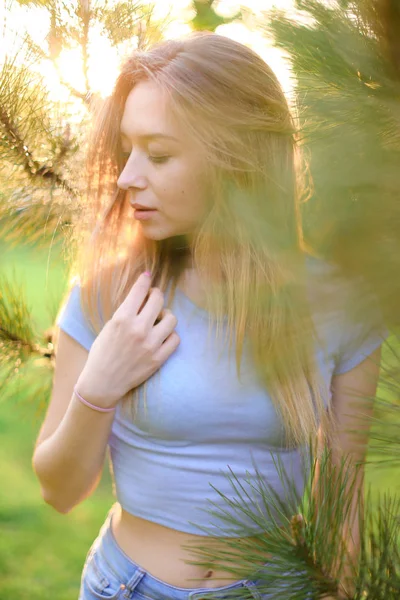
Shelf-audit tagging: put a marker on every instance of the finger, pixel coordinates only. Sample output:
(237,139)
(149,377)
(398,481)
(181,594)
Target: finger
(167,348)
(165,326)
(152,307)
(136,295)
(145,301)
(161,315)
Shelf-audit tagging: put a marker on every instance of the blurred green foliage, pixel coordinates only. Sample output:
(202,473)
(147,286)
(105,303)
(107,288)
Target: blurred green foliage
(41,552)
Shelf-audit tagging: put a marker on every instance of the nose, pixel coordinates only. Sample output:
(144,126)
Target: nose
(131,177)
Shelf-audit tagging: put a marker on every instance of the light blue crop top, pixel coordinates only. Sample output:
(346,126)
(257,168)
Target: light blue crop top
(169,465)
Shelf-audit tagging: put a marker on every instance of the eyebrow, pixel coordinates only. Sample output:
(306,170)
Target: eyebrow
(151,136)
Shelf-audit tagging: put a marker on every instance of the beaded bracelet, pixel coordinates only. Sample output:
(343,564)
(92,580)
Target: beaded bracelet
(98,408)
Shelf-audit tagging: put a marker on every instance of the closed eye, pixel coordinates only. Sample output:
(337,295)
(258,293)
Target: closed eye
(158,160)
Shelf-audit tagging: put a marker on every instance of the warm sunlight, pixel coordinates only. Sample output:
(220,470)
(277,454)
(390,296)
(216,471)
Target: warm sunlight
(102,68)
(272,56)
(103,61)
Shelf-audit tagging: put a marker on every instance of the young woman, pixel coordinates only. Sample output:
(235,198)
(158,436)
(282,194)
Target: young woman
(199,335)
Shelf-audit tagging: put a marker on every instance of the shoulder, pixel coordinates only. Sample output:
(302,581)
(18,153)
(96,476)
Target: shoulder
(346,314)
(71,318)
(330,292)
(83,309)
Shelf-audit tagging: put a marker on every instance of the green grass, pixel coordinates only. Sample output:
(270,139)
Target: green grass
(42,552)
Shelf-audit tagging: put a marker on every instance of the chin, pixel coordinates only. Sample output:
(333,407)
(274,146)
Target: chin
(152,232)
(155,233)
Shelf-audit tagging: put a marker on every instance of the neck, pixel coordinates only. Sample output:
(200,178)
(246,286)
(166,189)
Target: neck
(182,248)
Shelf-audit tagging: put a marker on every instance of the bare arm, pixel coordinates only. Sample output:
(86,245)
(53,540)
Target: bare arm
(70,450)
(353,396)
(71,446)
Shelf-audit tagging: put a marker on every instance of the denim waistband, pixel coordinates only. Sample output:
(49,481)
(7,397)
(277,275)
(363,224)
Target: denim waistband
(140,580)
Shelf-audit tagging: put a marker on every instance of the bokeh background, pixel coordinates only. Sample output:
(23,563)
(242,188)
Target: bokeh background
(58,60)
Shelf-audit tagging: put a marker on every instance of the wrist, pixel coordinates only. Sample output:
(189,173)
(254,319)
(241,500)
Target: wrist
(84,389)
(92,406)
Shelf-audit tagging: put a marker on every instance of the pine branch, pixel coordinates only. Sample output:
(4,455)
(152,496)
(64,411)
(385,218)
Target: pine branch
(349,109)
(381,18)
(33,168)
(25,119)
(299,537)
(26,217)
(385,434)
(41,55)
(18,345)
(380,560)
(127,20)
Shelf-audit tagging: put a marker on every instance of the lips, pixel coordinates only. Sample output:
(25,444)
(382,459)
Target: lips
(141,207)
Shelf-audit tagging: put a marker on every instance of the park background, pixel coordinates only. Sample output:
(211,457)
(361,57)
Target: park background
(42,552)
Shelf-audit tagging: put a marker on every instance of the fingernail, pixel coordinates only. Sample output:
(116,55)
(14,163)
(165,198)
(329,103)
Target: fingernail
(147,273)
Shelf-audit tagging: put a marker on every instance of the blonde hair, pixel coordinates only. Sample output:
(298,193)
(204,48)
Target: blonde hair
(249,250)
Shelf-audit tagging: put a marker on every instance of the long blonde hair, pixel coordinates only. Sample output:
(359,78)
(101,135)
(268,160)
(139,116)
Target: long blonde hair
(249,250)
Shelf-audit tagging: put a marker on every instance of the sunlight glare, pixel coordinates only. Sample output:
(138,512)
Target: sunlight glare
(177,30)
(104,60)
(274,57)
(69,64)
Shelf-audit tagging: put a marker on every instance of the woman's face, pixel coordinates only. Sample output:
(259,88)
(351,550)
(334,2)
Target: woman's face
(164,168)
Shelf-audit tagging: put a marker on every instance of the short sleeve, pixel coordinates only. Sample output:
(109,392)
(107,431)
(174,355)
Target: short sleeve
(358,345)
(359,337)
(72,320)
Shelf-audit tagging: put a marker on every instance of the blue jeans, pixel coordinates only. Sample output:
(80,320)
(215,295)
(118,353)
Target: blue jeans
(109,574)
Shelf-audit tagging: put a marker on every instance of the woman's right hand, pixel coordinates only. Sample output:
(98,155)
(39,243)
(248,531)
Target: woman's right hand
(130,347)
